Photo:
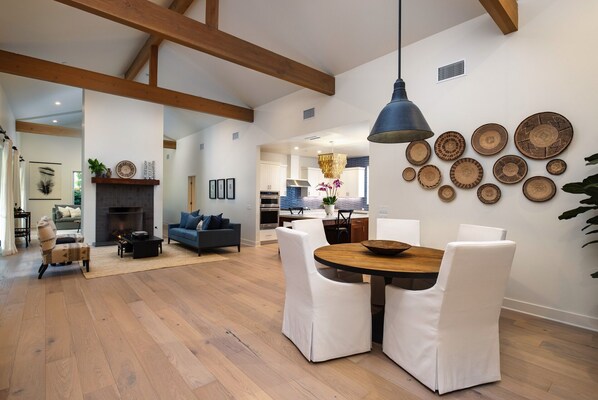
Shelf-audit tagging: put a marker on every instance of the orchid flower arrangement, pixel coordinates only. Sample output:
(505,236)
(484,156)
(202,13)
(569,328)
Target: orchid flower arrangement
(331,189)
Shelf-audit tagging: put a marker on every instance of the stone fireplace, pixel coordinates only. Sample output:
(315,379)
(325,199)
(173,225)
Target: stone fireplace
(122,207)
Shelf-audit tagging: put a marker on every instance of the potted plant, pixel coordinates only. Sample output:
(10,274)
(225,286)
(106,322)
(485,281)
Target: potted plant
(331,189)
(588,186)
(96,167)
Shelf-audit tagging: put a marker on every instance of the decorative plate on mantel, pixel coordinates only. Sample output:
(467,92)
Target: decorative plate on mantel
(126,169)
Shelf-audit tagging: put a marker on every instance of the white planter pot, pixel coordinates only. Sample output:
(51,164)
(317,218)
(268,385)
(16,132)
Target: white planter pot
(329,208)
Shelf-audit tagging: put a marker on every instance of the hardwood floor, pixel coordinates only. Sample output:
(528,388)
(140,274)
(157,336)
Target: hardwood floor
(213,331)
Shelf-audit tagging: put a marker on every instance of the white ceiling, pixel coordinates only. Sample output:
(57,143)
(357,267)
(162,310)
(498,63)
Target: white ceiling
(333,36)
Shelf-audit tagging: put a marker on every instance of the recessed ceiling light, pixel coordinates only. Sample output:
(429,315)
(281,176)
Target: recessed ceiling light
(319,151)
(296,147)
(55,121)
(57,103)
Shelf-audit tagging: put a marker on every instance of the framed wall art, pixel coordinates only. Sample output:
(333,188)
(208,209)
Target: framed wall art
(221,191)
(230,188)
(45,181)
(212,190)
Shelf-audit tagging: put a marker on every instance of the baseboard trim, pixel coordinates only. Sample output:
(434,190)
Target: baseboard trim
(569,318)
(247,242)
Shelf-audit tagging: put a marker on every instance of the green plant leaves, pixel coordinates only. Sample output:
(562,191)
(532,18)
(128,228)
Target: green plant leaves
(593,159)
(575,212)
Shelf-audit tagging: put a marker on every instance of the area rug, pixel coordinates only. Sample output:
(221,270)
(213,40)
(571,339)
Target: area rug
(105,262)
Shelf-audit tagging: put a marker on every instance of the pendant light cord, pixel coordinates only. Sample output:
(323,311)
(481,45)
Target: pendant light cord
(399,40)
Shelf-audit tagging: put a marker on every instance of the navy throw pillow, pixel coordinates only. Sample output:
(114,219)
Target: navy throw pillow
(184,217)
(192,222)
(212,222)
(195,213)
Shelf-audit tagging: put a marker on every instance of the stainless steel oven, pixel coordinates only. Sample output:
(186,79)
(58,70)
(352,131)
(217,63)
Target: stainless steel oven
(269,210)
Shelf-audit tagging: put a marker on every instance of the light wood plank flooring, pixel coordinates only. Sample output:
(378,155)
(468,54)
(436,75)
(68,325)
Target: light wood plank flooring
(213,331)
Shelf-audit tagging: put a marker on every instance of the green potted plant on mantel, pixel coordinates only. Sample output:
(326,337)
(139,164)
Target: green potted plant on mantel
(588,186)
(96,167)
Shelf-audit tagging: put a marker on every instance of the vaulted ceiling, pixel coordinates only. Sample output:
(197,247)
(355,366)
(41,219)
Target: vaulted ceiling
(330,36)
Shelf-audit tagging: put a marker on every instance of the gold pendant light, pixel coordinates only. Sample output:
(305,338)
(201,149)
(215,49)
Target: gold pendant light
(332,164)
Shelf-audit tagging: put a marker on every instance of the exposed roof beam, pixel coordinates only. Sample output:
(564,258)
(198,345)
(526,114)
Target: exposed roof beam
(30,67)
(505,14)
(153,66)
(170,144)
(212,7)
(159,21)
(178,6)
(43,129)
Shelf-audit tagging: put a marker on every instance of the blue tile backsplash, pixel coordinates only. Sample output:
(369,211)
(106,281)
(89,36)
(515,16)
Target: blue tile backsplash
(294,199)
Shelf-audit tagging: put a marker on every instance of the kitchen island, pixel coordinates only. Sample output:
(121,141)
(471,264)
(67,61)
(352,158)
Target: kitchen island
(359,222)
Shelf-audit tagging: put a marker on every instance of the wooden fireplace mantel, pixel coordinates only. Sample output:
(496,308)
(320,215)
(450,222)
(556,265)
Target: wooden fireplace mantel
(123,181)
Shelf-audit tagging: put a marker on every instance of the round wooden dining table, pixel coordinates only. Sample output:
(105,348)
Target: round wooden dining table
(416,262)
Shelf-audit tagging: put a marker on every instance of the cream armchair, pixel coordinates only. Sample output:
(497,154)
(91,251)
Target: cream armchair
(447,336)
(53,253)
(325,319)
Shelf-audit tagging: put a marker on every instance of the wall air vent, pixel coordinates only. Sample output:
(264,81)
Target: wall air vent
(309,113)
(312,138)
(201,146)
(451,71)
(235,135)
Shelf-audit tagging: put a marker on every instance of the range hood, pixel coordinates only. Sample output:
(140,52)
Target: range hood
(295,180)
(298,183)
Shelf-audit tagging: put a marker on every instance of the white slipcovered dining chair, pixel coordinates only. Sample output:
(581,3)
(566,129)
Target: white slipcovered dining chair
(447,336)
(478,233)
(317,238)
(401,230)
(325,319)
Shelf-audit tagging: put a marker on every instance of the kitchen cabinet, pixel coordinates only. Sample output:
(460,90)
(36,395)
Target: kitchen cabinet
(283,180)
(270,177)
(353,182)
(359,229)
(315,176)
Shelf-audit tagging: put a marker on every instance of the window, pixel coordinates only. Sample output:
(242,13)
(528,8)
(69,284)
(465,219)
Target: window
(77,180)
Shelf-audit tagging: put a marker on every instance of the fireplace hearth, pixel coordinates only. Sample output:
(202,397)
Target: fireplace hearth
(122,208)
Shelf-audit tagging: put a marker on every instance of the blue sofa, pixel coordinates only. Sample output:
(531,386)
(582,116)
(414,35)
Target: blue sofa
(229,234)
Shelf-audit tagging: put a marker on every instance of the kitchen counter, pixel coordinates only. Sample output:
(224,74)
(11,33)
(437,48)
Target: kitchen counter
(359,222)
(320,214)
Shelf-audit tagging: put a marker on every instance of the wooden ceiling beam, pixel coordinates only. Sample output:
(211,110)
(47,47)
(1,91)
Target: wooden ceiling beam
(212,8)
(30,67)
(142,57)
(153,66)
(170,144)
(43,129)
(149,17)
(505,14)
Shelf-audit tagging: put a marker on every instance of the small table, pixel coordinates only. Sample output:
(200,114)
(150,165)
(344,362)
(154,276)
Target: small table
(24,231)
(140,247)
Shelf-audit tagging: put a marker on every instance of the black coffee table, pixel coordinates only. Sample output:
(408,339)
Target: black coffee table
(140,247)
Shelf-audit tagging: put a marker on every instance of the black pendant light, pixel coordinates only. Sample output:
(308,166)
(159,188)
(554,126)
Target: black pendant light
(400,121)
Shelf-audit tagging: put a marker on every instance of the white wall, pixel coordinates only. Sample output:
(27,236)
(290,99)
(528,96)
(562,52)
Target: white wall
(53,149)
(7,118)
(116,129)
(222,158)
(545,66)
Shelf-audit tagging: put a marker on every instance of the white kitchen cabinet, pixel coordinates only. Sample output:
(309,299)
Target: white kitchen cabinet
(353,182)
(315,177)
(270,177)
(283,180)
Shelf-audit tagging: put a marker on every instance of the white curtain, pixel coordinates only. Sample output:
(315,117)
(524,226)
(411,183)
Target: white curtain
(16,171)
(7,218)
